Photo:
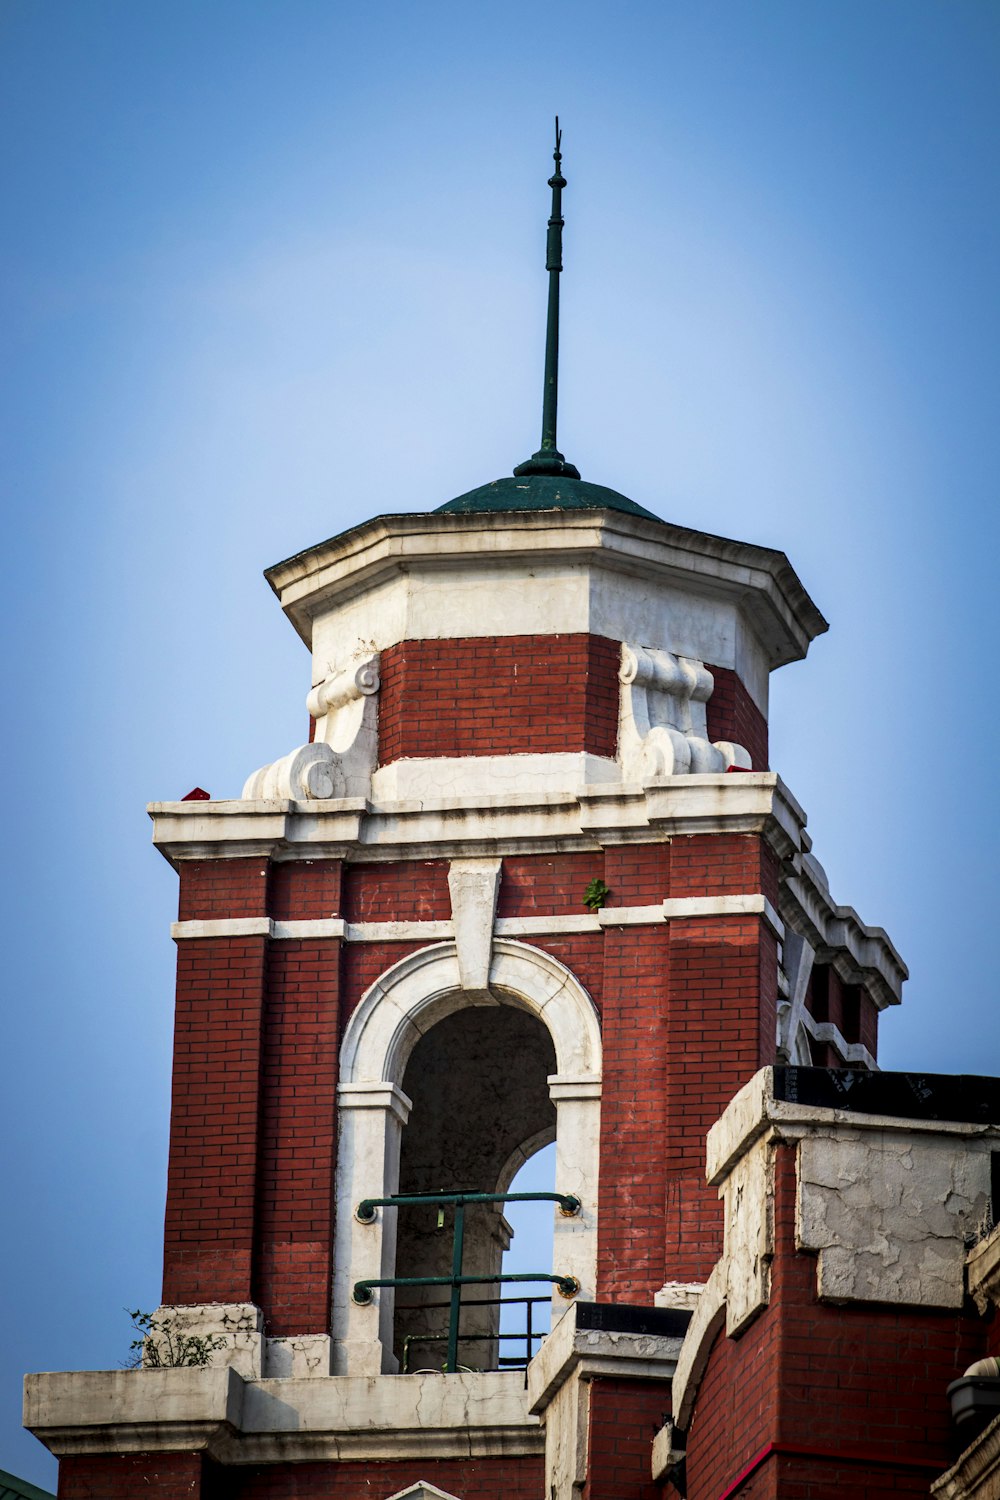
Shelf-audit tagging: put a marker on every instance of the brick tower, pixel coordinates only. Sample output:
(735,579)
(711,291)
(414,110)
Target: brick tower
(532,880)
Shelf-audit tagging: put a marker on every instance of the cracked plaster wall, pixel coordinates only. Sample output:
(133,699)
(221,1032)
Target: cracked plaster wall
(889,1213)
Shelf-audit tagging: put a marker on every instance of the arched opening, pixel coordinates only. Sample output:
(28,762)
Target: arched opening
(559,1031)
(478,1083)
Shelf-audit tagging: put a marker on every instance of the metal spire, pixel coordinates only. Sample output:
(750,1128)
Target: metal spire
(548,459)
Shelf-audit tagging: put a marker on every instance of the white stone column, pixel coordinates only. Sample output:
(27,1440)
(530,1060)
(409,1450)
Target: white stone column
(372,1116)
(577,1098)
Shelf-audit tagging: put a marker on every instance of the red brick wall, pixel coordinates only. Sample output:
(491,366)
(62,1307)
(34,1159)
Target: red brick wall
(722,1004)
(298,1125)
(535,885)
(499,695)
(108,1476)
(633,1114)
(362,965)
(407,890)
(470,1478)
(733,715)
(208,1232)
(722,864)
(214,888)
(304,889)
(624,1416)
(852,1397)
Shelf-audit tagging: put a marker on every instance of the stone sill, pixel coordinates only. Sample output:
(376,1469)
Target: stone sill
(238,1421)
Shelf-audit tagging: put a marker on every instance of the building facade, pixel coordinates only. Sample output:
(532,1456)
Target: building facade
(531,879)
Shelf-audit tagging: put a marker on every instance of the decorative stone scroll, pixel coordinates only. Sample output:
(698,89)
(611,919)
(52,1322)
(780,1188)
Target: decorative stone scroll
(663,729)
(340,761)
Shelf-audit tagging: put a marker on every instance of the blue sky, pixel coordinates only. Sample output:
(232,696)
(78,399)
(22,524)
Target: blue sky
(269,269)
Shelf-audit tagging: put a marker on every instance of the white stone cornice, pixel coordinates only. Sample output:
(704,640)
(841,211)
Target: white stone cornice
(859,954)
(758,582)
(469,826)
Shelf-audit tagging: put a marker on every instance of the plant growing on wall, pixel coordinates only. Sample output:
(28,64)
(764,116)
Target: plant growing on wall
(162,1346)
(596,894)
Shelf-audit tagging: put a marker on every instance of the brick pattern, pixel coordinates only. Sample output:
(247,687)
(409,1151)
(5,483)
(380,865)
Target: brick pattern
(547,885)
(637,874)
(722,1005)
(114,1476)
(361,965)
(208,1233)
(852,1396)
(733,715)
(301,890)
(624,1415)
(722,864)
(470,1478)
(632,1226)
(216,888)
(298,1124)
(583,955)
(499,695)
(409,890)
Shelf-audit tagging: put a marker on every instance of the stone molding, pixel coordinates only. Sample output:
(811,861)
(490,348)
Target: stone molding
(463,827)
(679,909)
(596,553)
(237,1421)
(976,1475)
(662,724)
(982,1270)
(422,1491)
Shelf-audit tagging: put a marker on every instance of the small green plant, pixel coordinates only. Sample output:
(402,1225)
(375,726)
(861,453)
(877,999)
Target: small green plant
(162,1346)
(596,894)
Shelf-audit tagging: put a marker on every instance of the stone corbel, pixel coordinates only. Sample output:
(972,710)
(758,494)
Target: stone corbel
(340,761)
(663,728)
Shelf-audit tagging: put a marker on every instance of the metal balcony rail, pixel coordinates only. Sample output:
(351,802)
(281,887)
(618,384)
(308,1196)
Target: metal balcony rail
(528,1337)
(365,1213)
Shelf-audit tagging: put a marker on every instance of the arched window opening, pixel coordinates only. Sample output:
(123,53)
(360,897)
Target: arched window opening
(481,1106)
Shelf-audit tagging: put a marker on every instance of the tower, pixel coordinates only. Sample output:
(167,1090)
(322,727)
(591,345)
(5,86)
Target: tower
(530,880)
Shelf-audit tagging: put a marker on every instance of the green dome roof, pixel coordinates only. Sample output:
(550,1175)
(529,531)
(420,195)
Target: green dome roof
(543,492)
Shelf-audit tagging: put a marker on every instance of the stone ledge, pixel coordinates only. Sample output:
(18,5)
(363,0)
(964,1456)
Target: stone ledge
(982,1270)
(588,1353)
(976,1475)
(237,1421)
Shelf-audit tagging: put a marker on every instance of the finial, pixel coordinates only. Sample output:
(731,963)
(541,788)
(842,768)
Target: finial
(548,459)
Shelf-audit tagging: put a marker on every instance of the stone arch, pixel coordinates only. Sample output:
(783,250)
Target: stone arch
(404,1003)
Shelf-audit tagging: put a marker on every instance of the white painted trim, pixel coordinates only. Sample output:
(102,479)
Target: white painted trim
(725,906)
(226,927)
(682,908)
(312,927)
(399,932)
(392,1015)
(629,916)
(542,926)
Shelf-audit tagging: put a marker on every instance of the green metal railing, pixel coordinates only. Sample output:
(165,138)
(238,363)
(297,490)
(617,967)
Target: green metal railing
(365,1213)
